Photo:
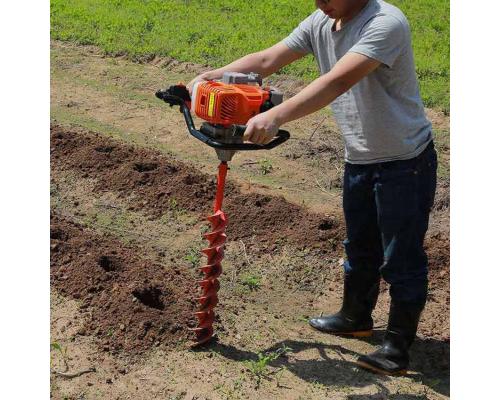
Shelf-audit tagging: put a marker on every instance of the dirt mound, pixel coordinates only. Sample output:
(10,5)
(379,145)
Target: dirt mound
(155,183)
(131,303)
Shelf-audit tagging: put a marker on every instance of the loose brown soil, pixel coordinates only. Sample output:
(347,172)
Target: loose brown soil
(157,184)
(131,303)
(152,182)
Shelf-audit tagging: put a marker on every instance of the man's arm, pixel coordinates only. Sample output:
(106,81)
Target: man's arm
(348,71)
(265,63)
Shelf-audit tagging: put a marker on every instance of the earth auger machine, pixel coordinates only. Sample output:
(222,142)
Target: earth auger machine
(225,105)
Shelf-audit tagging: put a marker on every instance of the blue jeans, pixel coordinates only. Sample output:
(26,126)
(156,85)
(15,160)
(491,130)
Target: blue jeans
(386,208)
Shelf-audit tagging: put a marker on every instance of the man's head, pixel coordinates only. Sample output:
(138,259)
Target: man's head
(340,9)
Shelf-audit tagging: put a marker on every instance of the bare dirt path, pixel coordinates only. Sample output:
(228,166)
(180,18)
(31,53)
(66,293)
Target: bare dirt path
(144,196)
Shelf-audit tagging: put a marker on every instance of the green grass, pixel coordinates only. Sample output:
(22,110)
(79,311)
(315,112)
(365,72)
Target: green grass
(251,281)
(265,166)
(193,257)
(215,32)
(260,368)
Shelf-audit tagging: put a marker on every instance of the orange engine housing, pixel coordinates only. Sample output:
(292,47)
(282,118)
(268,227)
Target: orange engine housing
(227,104)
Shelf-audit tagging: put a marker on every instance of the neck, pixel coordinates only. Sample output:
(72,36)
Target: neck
(352,13)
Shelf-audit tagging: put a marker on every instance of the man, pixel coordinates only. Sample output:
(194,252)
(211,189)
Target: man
(363,49)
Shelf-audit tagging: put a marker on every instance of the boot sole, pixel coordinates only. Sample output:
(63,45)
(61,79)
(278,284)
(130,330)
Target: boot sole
(352,334)
(357,334)
(380,371)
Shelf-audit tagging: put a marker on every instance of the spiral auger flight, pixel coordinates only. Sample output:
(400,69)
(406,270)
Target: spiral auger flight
(212,269)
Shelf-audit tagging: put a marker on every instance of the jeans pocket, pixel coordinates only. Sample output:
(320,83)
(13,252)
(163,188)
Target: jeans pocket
(427,161)
(427,181)
(396,194)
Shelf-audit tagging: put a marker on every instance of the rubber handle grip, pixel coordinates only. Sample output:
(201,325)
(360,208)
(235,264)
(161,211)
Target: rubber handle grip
(281,137)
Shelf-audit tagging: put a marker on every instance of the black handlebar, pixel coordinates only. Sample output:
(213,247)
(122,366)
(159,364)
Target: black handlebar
(178,95)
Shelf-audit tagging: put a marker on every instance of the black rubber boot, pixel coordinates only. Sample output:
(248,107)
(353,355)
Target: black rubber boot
(354,318)
(393,357)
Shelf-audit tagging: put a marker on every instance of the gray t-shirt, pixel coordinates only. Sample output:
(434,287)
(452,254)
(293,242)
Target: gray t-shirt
(382,117)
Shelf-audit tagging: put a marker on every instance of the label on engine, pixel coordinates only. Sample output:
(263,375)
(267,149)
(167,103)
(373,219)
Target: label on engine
(211,103)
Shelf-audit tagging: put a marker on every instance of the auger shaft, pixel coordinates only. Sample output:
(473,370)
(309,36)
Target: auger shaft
(221,183)
(213,269)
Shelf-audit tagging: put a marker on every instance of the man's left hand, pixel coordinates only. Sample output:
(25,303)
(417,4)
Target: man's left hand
(262,128)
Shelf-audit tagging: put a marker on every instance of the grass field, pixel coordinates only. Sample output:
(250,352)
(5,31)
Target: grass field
(215,32)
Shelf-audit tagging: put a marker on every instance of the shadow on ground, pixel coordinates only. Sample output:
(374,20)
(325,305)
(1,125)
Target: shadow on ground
(429,365)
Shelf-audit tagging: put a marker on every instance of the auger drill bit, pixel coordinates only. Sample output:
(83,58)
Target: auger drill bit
(223,105)
(212,270)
